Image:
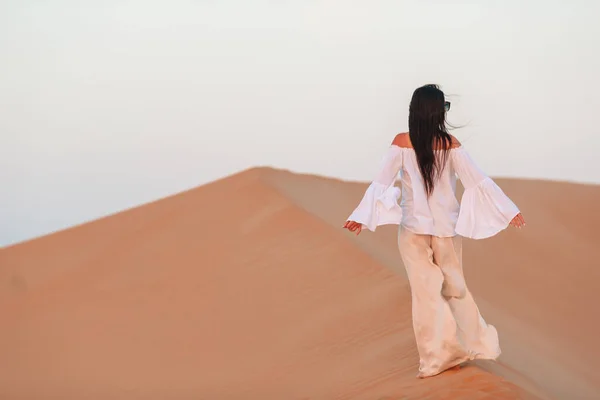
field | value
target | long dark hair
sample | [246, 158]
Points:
[428, 132]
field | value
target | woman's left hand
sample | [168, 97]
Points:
[353, 226]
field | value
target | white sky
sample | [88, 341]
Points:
[108, 104]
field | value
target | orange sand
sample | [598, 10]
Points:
[248, 288]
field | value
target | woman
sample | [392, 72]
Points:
[447, 324]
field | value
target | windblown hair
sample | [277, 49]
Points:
[428, 133]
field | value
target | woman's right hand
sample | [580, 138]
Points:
[353, 226]
[518, 221]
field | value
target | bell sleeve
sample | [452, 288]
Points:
[485, 209]
[379, 205]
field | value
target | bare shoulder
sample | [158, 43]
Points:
[402, 140]
[455, 142]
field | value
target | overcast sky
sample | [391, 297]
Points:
[109, 104]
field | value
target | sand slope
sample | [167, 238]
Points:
[247, 288]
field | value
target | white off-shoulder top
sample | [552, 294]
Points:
[483, 211]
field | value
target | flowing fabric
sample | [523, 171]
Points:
[448, 326]
[379, 205]
[483, 211]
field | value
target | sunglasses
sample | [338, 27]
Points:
[447, 105]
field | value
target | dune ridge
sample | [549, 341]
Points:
[247, 287]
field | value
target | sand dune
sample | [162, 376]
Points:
[248, 288]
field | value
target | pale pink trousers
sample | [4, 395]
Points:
[448, 327]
